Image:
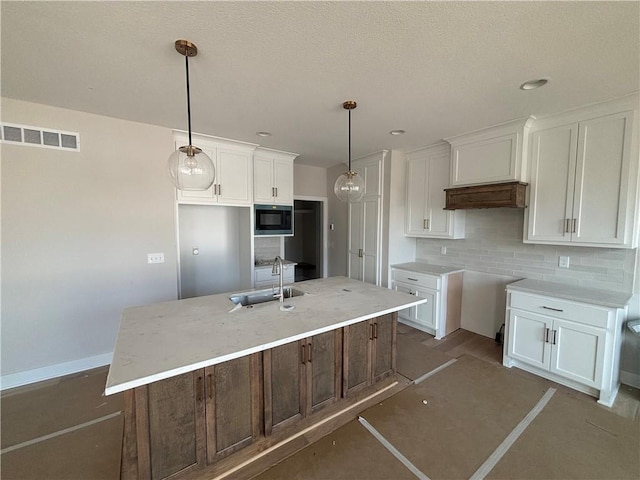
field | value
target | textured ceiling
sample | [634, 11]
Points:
[434, 69]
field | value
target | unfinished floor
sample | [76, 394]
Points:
[463, 416]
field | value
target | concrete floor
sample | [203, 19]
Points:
[446, 426]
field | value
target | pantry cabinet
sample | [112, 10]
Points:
[233, 182]
[427, 177]
[273, 177]
[576, 343]
[365, 222]
[584, 180]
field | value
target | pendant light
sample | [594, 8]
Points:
[190, 168]
[349, 186]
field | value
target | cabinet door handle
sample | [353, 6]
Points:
[546, 335]
[371, 333]
[573, 228]
[412, 279]
[375, 330]
[566, 225]
[276, 191]
[199, 389]
[302, 354]
[424, 223]
[553, 309]
[219, 189]
[555, 335]
[309, 358]
[210, 386]
[427, 224]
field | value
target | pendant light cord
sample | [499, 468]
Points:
[349, 139]
[186, 61]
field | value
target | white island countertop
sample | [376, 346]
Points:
[166, 339]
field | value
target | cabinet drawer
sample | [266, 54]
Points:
[558, 308]
[418, 279]
[264, 274]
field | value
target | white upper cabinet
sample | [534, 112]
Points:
[584, 178]
[233, 182]
[491, 155]
[273, 177]
[427, 177]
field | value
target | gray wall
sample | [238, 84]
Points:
[339, 217]
[76, 229]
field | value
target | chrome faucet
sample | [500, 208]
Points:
[277, 270]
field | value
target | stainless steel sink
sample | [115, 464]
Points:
[255, 297]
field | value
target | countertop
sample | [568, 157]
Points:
[592, 296]
[427, 268]
[269, 263]
[166, 339]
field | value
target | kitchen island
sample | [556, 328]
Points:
[208, 384]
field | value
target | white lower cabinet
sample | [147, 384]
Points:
[573, 343]
[264, 277]
[440, 315]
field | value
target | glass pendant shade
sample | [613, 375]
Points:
[349, 187]
[191, 169]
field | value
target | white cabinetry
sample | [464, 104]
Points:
[440, 315]
[365, 222]
[233, 182]
[427, 177]
[573, 343]
[273, 177]
[584, 180]
[264, 277]
[491, 155]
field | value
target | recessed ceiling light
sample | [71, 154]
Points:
[396, 132]
[531, 84]
[263, 134]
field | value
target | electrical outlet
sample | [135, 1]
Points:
[563, 262]
[443, 250]
[155, 257]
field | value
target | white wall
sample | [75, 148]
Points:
[77, 228]
[310, 181]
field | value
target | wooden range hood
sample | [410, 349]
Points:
[511, 194]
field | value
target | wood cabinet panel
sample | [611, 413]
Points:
[357, 356]
[232, 405]
[283, 384]
[384, 335]
[170, 425]
[324, 372]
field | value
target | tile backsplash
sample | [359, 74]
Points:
[266, 248]
[493, 244]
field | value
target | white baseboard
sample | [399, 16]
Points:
[53, 371]
[631, 379]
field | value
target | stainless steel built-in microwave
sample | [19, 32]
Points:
[273, 220]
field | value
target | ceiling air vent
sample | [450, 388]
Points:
[39, 137]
